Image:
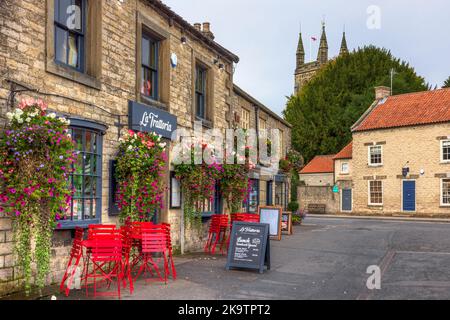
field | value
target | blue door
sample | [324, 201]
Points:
[409, 196]
[346, 199]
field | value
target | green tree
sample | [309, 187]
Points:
[325, 109]
[446, 83]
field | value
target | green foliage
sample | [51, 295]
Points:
[36, 157]
[293, 206]
[140, 169]
[446, 83]
[325, 109]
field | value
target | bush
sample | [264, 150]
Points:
[293, 206]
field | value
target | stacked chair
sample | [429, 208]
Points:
[76, 253]
[217, 233]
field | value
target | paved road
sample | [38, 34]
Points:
[326, 258]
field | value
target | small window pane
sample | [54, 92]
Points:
[446, 191]
[61, 45]
[376, 192]
[146, 52]
[77, 209]
[73, 59]
[375, 155]
[446, 150]
[153, 55]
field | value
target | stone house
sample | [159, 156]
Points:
[103, 70]
[319, 172]
[401, 161]
[267, 188]
[343, 177]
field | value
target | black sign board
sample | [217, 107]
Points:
[151, 119]
[249, 246]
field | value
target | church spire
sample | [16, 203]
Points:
[322, 57]
[300, 52]
[344, 48]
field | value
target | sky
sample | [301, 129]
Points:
[264, 34]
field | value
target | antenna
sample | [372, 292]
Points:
[393, 72]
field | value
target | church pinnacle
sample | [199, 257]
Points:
[322, 57]
[300, 52]
[344, 48]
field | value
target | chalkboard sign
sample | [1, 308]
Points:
[272, 216]
[249, 246]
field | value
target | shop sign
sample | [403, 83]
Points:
[151, 119]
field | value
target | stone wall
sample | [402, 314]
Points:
[317, 179]
[418, 148]
[318, 195]
[23, 59]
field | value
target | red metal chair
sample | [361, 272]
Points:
[76, 254]
[106, 258]
[217, 233]
[126, 253]
[169, 247]
[154, 241]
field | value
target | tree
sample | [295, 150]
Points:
[325, 109]
[446, 83]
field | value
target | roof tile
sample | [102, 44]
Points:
[320, 164]
[408, 110]
[346, 153]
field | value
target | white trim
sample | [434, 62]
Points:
[369, 158]
[415, 196]
[342, 201]
[348, 168]
[382, 194]
[441, 194]
[441, 159]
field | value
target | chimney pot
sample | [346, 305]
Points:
[207, 30]
[198, 26]
[382, 92]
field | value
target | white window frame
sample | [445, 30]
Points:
[348, 168]
[368, 194]
[442, 151]
[441, 196]
[370, 158]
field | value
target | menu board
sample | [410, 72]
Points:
[272, 216]
[286, 222]
[249, 246]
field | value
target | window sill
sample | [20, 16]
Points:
[153, 103]
[73, 75]
[375, 206]
[206, 123]
[68, 225]
[444, 162]
[375, 165]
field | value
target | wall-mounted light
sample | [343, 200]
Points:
[221, 66]
[183, 40]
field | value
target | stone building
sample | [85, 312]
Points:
[268, 188]
[398, 162]
[305, 71]
[120, 60]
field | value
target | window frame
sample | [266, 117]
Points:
[247, 121]
[441, 196]
[100, 130]
[171, 204]
[442, 151]
[370, 156]
[342, 168]
[200, 69]
[154, 70]
[370, 203]
[80, 36]
[246, 203]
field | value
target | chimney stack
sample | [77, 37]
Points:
[382, 92]
[207, 30]
[198, 26]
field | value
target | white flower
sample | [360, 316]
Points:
[130, 148]
[20, 121]
[52, 115]
[19, 112]
[68, 122]
[28, 119]
[10, 116]
[163, 145]
[69, 135]
[17, 116]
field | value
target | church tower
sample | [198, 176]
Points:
[344, 48]
[322, 57]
